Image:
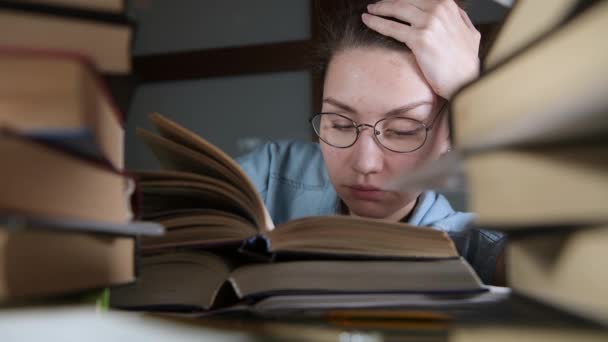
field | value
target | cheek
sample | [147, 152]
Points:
[435, 145]
[402, 162]
[335, 158]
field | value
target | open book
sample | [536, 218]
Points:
[220, 239]
[204, 199]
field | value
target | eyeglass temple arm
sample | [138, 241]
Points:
[443, 107]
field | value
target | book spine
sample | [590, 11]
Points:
[136, 199]
[97, 162]
[101, 82]
[580, 7]
[497, 33]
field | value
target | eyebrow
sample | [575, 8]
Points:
[392, 112]
[340, 105]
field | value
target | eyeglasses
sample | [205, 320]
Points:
[397, 134]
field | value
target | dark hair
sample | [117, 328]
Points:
[342, 28]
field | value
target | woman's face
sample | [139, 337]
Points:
[366, 85]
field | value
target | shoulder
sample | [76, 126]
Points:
[433, 209]
[292, 179]
[298, 162]
[480, 247]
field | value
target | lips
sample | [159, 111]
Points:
[366, 192]
[364, 187]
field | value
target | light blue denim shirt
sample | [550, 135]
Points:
[292, 179]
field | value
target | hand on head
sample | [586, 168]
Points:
[440, 34]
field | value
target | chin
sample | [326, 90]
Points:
[379, 209]
[371, 210]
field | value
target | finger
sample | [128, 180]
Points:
[466, 19]
[423, 5]
[390, 28]
[400, 10]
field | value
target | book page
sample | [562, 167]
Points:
[178, 157]
[198, 186]
[191, 140]
[355, 236]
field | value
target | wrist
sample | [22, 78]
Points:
[468, 74]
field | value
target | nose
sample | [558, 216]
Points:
[367, 153]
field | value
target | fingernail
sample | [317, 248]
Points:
[371, 7]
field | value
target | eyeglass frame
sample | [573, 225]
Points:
[376, 132]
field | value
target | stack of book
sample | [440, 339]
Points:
[532, 130]
[65, 205]
[221, 250]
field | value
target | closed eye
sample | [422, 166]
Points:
[342, 127]
[393, 132]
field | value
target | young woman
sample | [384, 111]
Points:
[388, 69]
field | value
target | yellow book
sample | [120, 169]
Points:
[502, 333]
[204, 198]
[111, 6]
[526, 21]
[566, 269]
[37, 263]
[104, 37]
[44, 180]
[521, 187]
[200, 280]
[60, 98]
[554, 90]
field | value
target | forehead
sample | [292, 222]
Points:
[375, 80]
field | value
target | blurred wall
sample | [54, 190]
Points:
[235, 113]
[167, 26]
